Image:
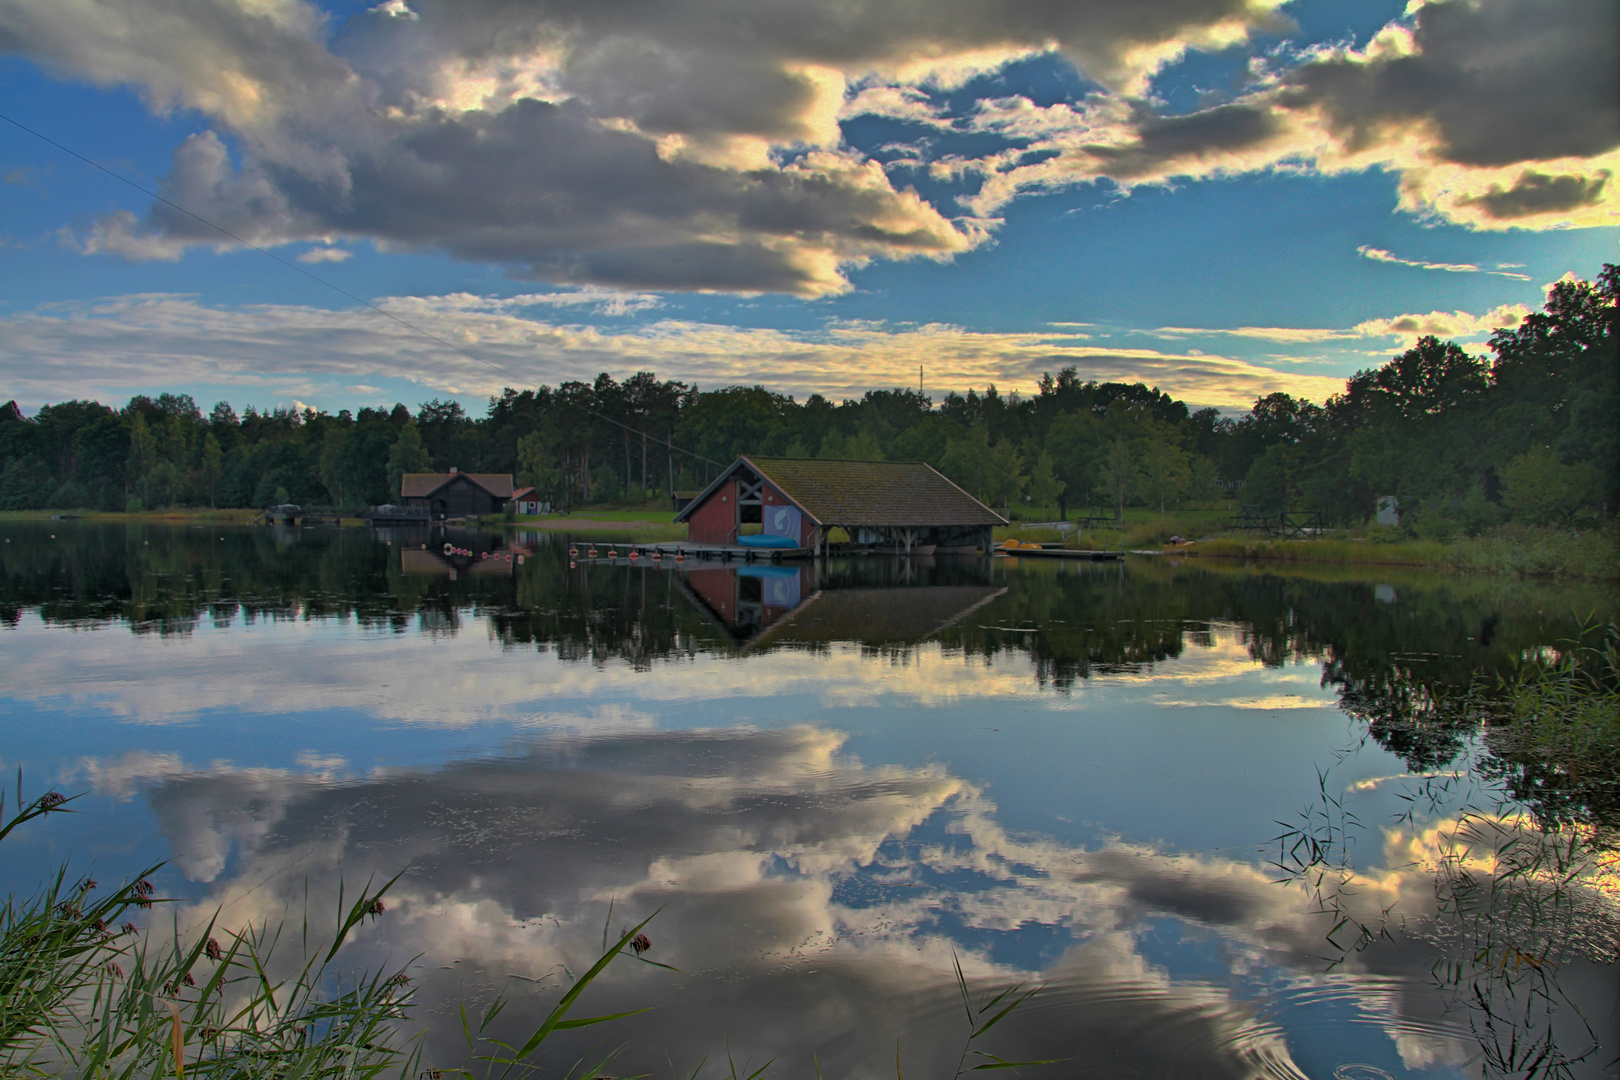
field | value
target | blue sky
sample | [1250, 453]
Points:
[1219, 197]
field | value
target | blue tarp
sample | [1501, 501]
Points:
[765, 541]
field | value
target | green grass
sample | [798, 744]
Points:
[1516, 550]
[653, 535]
[593, 513]
[1585, 554]
[1326, 550]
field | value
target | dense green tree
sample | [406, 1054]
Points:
[1118, 470]
[1465, 443]
[407, 455]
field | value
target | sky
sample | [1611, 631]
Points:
[280, 202]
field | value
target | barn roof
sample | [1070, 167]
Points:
[875, 493]
[419, 485]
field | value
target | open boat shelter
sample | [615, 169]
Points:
[901, 506]
[455, 494]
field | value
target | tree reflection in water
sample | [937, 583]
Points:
[805, 885]
[1523, 845]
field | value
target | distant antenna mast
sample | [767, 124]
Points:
[919, 379]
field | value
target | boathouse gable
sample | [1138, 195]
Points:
[712, 517]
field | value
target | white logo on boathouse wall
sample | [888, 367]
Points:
[782, 521]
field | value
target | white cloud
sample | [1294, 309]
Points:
[1406, 327]
[697, 146]
[124, 345]
[397, 8]
[1367, 251]
[1290, 334]
[1499, 114]
[1443, 324]
[325, 255]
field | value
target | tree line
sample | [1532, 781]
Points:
[1463, 441]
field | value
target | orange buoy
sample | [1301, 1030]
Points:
[635, 554]
[612, 554]
[571, 564]
[591, 553]
[679, 557]
[657, 555]
[573, 551]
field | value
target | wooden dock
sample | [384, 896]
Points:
[1060, 553]
[669, 551]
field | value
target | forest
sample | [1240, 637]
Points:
[1527, 434]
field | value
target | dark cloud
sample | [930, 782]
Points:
[695, 144]
[1537, 193]
[658, 145]
[850, 35]
[1182, 139]
[1501, 82]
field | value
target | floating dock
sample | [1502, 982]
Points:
[1060, 553]
[667, 550]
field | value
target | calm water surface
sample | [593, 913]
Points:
[830, 779]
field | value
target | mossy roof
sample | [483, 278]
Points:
[418, 485]
[892, 494]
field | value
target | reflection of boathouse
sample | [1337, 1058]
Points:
[455, 553]
[906, 506]
[767, 605]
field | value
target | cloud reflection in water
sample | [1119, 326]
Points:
[812, 902]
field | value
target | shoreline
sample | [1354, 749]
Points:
[1590, 554]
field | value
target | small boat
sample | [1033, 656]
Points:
[767, 542]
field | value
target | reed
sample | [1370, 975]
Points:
[1523, 873]
[82, 995]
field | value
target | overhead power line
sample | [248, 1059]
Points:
[222, 230]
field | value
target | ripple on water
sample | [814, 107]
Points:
[1177, 1029]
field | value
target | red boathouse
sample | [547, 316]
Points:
[904, 505]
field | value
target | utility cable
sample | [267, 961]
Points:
[340, 290]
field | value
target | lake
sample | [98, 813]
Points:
[828, 783]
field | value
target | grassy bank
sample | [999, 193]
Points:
[1516, 550]
[1587, 554]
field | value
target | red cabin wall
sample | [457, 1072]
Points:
[715, 521]
[718, 588]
